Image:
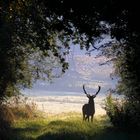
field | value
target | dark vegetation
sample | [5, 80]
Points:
[15, 109]
[35, 37]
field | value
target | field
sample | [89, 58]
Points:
[68, 126]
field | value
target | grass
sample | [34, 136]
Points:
[68, 127]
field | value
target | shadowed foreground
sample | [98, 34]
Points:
[68, 128]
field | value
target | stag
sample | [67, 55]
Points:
[89, 109]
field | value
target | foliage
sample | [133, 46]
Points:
[115, 111]
[6, 117]
[13, 109]
[21, 108]
[34, 31]
[49, 26]
[126, 60]
[122, 113]
[29, 48]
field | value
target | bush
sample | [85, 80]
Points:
[122, 113]
[13, 109]
[6, 118]
[21, 108]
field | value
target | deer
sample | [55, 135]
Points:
[89, 108]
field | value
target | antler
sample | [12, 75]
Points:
[85, 91]
[97, 91]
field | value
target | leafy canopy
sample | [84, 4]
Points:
[34, 31]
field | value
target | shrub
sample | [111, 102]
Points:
[21, 108]
[122, 113]
[6, 118]
[13, 109]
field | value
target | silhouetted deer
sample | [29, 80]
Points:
[89, 109]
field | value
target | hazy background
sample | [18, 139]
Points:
[65, 94]
[83, 69]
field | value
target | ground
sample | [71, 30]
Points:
[68, 126]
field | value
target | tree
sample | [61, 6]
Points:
[119, 19]
[29, 51]
[49, 25]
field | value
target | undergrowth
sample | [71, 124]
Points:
[13, 109]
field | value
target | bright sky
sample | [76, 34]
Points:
[83, 69]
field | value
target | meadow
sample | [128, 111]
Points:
[68, 126]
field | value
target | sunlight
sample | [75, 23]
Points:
[65, 94]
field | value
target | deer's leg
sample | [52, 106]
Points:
[87, 118]
[83, 117]
[92, 118]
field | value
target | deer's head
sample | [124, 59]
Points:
[91, 97]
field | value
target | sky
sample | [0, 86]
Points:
[83, 69]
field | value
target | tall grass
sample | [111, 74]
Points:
[27, 124]
[6, 117]
[19, 108]
[12, 110]
[69, 127]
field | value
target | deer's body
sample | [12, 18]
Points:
[89, 109]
